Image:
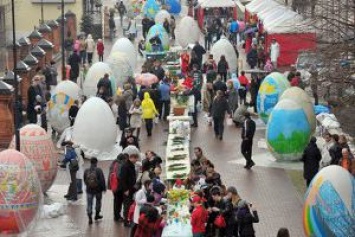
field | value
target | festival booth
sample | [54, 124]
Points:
[222, 9]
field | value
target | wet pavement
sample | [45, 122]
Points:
[267, 185]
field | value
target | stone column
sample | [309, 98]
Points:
[46, 32]
[34, 37]
[39, 53]
[32, 62]
[6, 115]
[47, 46]
[71, 23]
[23, 70]
[10, 56]
[55, 35]
[25, 45]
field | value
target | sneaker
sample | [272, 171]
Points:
[98, 217]
[67, 196]
[90, 220]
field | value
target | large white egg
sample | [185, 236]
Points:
[187, 32]
[124, 45]
[69, 88]
[224, 47]
[94, 74]
[95, 129]
[38, 146]
[58, 111]
[120, 67]
[296, 93]
[161, 16]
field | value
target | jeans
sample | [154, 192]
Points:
[112, 34]
[117, 204]
[101, 57]
[72, 191]
[149, 126]
[83, 56]
[246, 149]
[90, 58]
[79, 185]
[166, 105]
[90, 202]
[218, 125]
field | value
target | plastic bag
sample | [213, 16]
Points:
[229, 121]
[156, 120]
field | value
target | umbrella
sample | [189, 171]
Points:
[146, 79]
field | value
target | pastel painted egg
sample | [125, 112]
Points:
[270, 91]
[58, 110]
[173, 6]
[163, 35]
[224, 47]
[95, 129]
[120, 67]
[329, 207]
[124, 45]
[94, 74]
[187, 32]
[69, 88]
[161, 16]
[150, 8]
[20, 193]
[299, 95]
[38, 147]
[288, 131]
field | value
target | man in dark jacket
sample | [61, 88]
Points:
[219, 85]
[127, 181]
[335, 151]
[94, 180]
[73, 112]
[248, 132]
[199, 51]
[218, 111]
[74, 62]
[105, 83]
[158, 71]
[311, 158]
[145, 26]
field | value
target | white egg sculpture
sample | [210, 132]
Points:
[296, 93]
[95, 129]
[94, 74]
[224, 47]
[161, 16]
[124, 45]
[120, 67]
[187, 32]
[69, 88]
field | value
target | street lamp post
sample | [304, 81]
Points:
[16, 102]
[42, 14]
[63, 38]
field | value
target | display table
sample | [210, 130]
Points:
[177, 230]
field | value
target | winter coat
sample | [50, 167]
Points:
[335, 154]
[232, 99]
[245, 222]
[220, 107]
[219, 85]
[147, 228]
[148, 107]
[90, 44]
[101, 187]
[159, 72]
[222, 67]
[136, 116]
[100, 48]
[199, 219]
[128, 177]
[248, 129]
[199, 50]
[140, 199]
[74, 61]
[311, 157]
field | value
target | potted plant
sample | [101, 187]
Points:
[181, 104]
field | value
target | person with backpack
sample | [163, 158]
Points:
[113, 184]
[94, 180]
[71, 158]
[223, 68]
[121, 8]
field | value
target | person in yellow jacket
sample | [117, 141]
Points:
[149, 112]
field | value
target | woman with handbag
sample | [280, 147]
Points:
[216, 220]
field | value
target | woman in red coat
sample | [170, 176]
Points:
[100, 50]
[185, 59]
[148, 223]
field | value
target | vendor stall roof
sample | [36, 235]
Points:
[295, 25]
[271, 12]
[259, 5]
[286, 15]
[217, 3]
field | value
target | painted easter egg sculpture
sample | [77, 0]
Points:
[20, 193]
[329, 207]
[224, 47]
[94, 74]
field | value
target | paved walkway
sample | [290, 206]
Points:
[267, 185]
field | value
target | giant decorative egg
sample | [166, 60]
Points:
[163, 35]
[95, 129]
[150, 8]
[187, 32]
[135, 7]
[173, 6]
[224, 47]
[20, 193]
[329, 207]
[270, 91]
[124, 45]
[69, 88]
[121, 69]
[38, 146]
[94, 74]
[296, 93]
[161, 16]
[288, 130]
[58, 111]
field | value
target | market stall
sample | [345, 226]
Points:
[223, 9]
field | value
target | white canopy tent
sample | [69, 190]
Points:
[272, 12]
[294, 25]
[286, 15]
[216, 3]
[258, 5]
